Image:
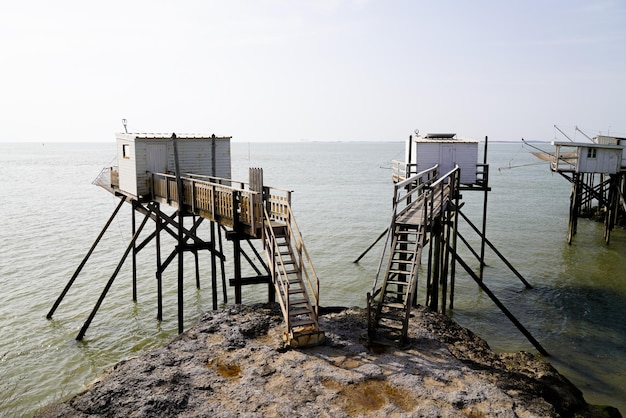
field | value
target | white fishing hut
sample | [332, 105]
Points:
[423, 152]
[613, 140]
[584, 157]
[140, 154]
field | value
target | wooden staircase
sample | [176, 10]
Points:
[392, 304]
[415, 203]
[295, 281]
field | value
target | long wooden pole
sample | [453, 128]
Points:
[371, 246]
[81, 334]
[498, 253]
[484, 234]
[181, 240]
[213, 266]
[84, 261]
[159, 272]
[499, 304]
[134, 256]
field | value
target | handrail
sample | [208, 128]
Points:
[280, 280]
[421, 180]
[206, 194]
[303, 262]
[401, 169]
[210, 197]
[312, 281]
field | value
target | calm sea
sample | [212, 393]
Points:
[51, 215]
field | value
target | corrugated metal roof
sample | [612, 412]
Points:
[162, 136]
[586, 145]
[447, 138]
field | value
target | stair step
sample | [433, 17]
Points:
[399, 251]
[394, 305]
[397, 282]
[401, 261]
[395, 292]
[299, 301]
[402, 241]
[392, 326]
[299, 311]
[390, 316]
[302, 323]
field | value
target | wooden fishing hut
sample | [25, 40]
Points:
[141, 155]
[444, 149]
[426, 211]
[191, 174]
[596, 170]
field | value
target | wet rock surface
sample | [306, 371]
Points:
[232, 363]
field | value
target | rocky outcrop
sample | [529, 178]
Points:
[232, 363]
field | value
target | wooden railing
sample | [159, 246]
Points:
[401, 170]
[218, 200]
[280, 271]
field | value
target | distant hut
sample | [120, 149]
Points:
[585, 157]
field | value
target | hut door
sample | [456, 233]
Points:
[448, 157]
[156, 158]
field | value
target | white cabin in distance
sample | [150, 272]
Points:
[445, 149]
[603, 156]
[140, 154]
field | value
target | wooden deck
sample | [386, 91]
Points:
[428, 206]
[228, 202]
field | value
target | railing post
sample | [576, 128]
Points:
[193, 196]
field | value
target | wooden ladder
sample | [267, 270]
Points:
[299, 309]
[393, 306]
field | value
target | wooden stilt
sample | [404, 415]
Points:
[222, 269]
[484, 229]
[213, 266]
[134, 253]
[500, 305]
[455, 224]
[81, 334]
[435, 236]
[498, 253]
[237, 268]
[573, 209]
[84, 261]
[159, 269]
[180, 250]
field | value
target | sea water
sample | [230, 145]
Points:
[341, 199]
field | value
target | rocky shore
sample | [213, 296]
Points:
[232, 363]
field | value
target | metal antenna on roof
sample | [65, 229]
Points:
[124, 123]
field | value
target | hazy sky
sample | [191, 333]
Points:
[287, 70]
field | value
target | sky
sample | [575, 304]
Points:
[326, 70]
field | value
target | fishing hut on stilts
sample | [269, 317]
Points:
[597, 172]
[423, 237]
[190, 174]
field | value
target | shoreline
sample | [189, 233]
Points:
[232, 362]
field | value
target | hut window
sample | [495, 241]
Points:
[125, 150]
[591, 153]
